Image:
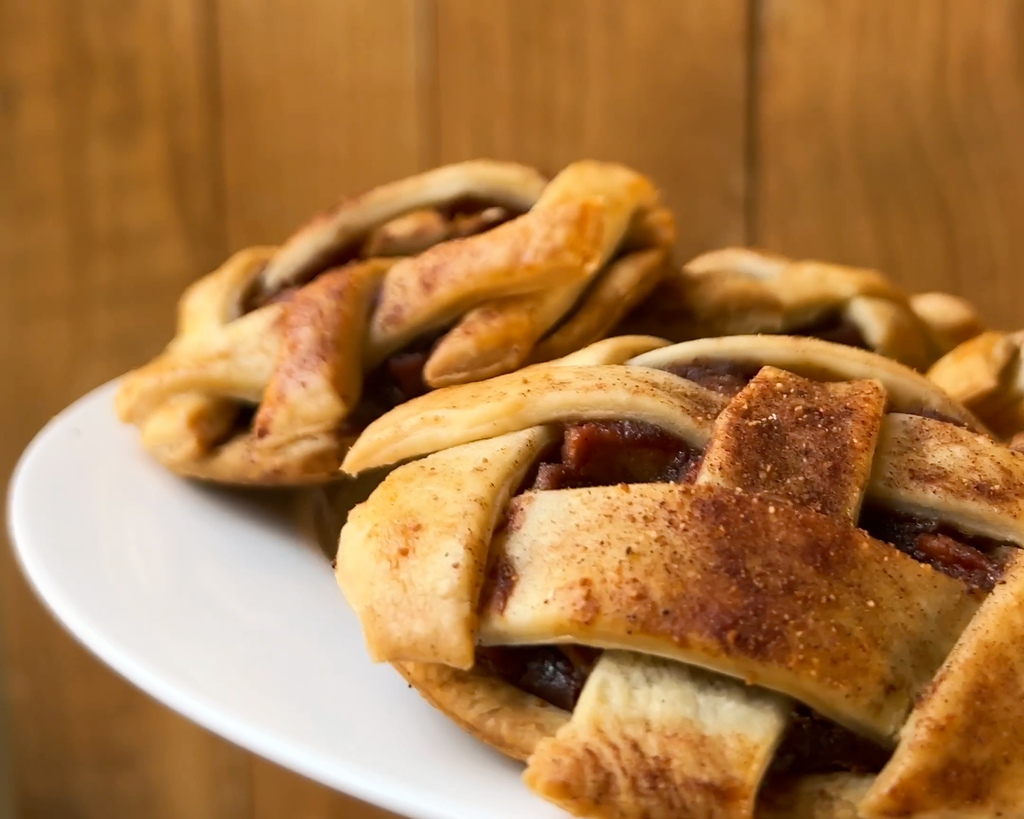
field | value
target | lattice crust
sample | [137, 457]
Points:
[951, 319]
[455, 416]
[644, 720]
[960, 753]
[737, 291]
[986, 374]
[781, 627]
[490, 709]
[452, 276]
[719, 600]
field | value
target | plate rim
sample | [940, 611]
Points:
[352, 780]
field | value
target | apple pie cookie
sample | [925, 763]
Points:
[734, 291]
[467, 271]
[986, 374]
[740, 577]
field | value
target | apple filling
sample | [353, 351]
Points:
[608, 453]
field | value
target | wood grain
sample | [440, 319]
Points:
[278, 793]
[110, 204]
[320, 99]
[6, 780]
[660, 85]
[888, 134]
[142, 140]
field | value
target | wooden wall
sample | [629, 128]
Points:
[142, 140]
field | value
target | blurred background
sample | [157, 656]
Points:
[141, 141]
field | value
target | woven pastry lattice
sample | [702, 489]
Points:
[793, 524]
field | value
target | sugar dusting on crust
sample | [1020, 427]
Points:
[802, 440]
[598, 773]
[958, 478]
[748, 605]
[747, 584]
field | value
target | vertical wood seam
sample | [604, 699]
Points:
[214, 17]
[219, 14]
[7, 802]
[218, 141]
[751, 122]
[427, 84]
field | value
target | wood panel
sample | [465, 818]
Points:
[888, 134]
[279, 793]
[6, 780]
[320, 99]
[110, 203]
[660, 85]
[141, 140]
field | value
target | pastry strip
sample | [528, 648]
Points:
[754, 588]
[498, 336]
[669, 740]
[535, 395]
[310, 248]
[821, 360]
[656, 739]
[959, 755]
[433, 531]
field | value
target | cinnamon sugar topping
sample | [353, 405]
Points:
[809, 442]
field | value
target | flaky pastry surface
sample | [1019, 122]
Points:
[718, 600]
[986, 374]
[451, 276]
[738, 291]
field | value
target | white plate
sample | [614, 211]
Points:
[215, 604]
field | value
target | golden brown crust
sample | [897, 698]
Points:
[655, 227]
[907, 390]
[317, 377]
[754, 569]
[185, 428]
[488, 245]
[218, 298]
[532, 251]
[235, 361]
[501, 715]
[431, 524]
[930, 468]
[504, 183]
[589, 568]
[741, 290]
[499, 335]
[535, 395]
[408, 235]
[587, 209]
[625, 284]
[627, 197]
[974, 370]
[654, 739]
[514, 723]
[292, 359]
[496, 337]
[890, 328]
[615, 350]
[951, 319]
[959, 755]
[809, 442]
[422, 229]
[986, 374]
[245, 460]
